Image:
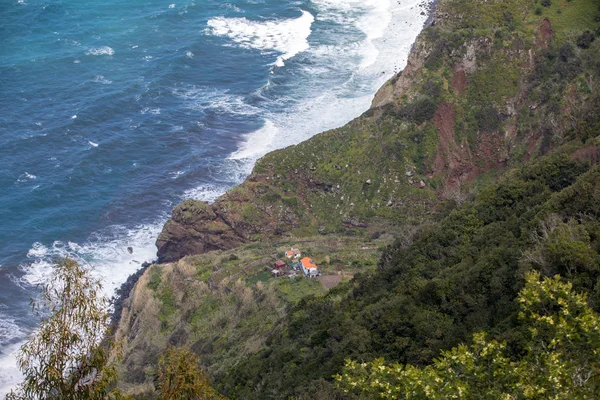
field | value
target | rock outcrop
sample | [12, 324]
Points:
[195, 228]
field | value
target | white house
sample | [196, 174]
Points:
[309, 267]
[293, 253]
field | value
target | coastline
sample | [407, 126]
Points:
[123, 290]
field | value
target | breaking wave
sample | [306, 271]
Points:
[288, 36]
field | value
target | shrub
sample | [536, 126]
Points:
[432, 89]
[179, 376]
[585, 39]
[560, 360]
[488, 119]
[418, 111]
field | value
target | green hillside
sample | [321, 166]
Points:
[460, 275]
[475, 165]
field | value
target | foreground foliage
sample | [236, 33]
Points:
[562, 358]
[67, 358]
[179, 377]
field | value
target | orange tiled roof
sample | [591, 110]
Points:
[308, 263]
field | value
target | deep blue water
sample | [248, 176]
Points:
[112, 111]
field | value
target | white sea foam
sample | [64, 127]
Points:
[10, 375]
[105, 251]
[176, 174]
[287, 36]
[257, 143]
[100, 51]
[101, 79]
[25, 177]
[389, 28]
[9, 330]
[149, 110]
[206, 192]
[189, 54]
[200, 98]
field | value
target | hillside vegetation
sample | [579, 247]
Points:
[477, 164]
[459, 276]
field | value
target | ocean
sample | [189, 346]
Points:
[114, 111]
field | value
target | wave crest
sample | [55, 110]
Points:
[107, 251]
[289, 36]
[100, 51]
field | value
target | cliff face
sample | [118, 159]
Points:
[195, 228]
[483, 89]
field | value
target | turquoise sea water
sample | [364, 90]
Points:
[112, 111]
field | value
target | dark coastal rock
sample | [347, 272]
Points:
[252, 211]
[194, 228]
[122, 293]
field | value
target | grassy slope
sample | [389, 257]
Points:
[223, 304]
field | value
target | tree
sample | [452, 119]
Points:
[562, 359]
[67, 357]
[179, 377]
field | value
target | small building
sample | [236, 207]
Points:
[293, 253]
[309, 267]
[279, 264]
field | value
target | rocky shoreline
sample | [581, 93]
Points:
[122, 294]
